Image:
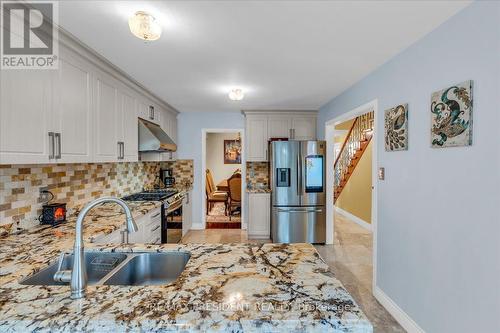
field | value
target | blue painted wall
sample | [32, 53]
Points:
[438, 215]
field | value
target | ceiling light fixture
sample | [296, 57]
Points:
[144, 26]
[236, 94]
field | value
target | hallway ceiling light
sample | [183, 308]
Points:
[236, 94]
[144, 26]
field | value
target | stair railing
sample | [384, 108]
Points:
[360, 129]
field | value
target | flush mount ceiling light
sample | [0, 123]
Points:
[236, 94]
[144, 26]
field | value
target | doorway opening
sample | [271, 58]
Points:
[352, 169]
[223, 180]
[352, 185]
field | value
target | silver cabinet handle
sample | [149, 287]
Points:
[156, 241]
[151, 112]
[57, 137]
[155, 228]
[156, 215]
[121, 150]
[52, 145]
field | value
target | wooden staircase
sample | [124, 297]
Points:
[354, 146]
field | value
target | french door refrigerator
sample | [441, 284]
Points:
[297, 176]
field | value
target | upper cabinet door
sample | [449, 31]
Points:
[256, 138]
[169, 125]
[149, 112]
[73, 111]
[25, 107]
[106, 126]
[129, 126]
[304, 127]
[279, 126]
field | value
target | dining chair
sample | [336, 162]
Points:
[214, 196]
[234, 184]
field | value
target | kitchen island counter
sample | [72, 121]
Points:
[224, 287]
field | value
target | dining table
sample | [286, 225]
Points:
[223, 186]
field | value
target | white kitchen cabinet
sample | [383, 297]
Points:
[187, 214]
[85, 111]
[256, 138]
[105, 124]
[169, 125]
[72, 117]
[148, 231]
[127, 126]
[259, 215]
[264, 125]
[304, 127]
[25, 114]
[279, 126]
[149, 112]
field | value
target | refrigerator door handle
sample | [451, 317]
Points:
[317, 210]
[298, 177]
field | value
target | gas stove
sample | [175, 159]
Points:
[171, 211]
[153, 195]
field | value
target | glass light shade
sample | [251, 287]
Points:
[144, 26]
[236, 94]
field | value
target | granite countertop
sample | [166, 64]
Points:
[258, 190]
[224, 287]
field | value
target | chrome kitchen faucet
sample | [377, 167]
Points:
[78, 275]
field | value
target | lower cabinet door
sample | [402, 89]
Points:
[259, 215]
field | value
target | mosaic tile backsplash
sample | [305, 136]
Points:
[257, 175]
[75, 185]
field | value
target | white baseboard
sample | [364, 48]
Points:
[197, 226]
[354, 218]
[401, 317]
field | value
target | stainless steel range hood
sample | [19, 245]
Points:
[153, 139]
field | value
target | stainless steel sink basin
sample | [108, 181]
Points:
[128, 269]
[97, 264]
[150, 269]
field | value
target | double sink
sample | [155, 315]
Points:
[124, 269]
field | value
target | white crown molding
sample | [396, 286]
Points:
[280, 112]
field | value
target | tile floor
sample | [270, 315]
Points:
[350, 258]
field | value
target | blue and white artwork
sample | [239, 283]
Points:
[451, 116]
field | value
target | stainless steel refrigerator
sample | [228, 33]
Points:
[297, 177]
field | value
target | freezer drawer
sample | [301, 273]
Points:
[298, 225]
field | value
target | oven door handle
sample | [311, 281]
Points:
[174, 206]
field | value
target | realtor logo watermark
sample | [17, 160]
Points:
[29, 35]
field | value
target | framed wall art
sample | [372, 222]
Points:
[451, 116]
[396, 128]
[232, 152]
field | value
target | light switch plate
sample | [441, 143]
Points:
[381, 173]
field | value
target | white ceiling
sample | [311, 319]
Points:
[285, 54]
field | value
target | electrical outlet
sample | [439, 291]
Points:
[44, 194]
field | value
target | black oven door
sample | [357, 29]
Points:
[172, 226]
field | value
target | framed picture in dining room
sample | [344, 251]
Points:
[232, 152]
